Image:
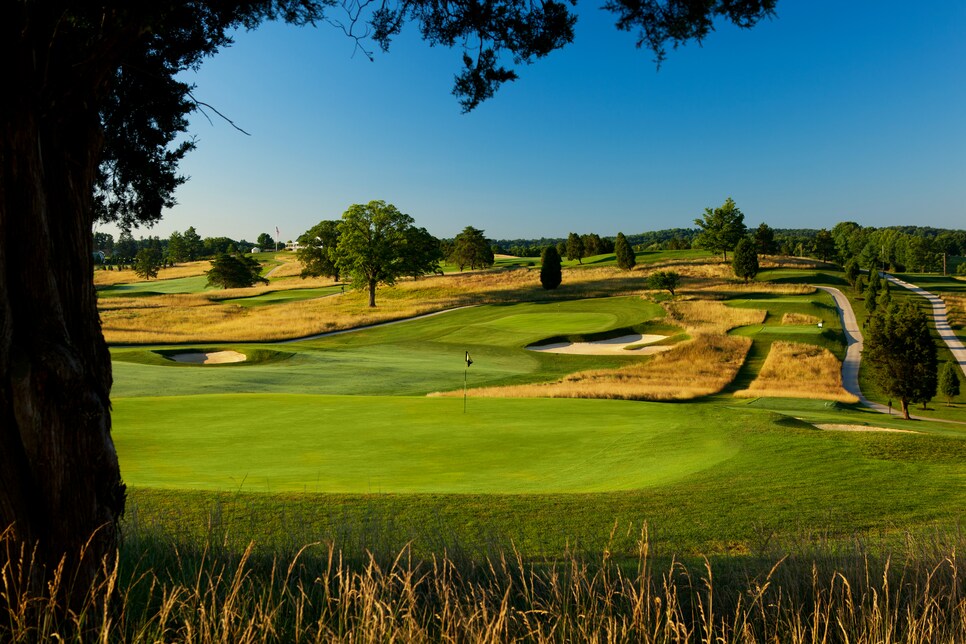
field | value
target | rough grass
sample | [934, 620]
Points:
[955, 309]
[201, 592]
[799, 319]
[795, 370]
[188, 269]
[704, 316]
[700, 367]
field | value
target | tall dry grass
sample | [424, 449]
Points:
[202, 593]
[699, 367]
[128, 276]
[708, 316]
[800, 319]
[955, 310]
[795, 370]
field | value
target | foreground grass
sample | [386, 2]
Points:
[164, 590]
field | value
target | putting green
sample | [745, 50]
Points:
[360, 444]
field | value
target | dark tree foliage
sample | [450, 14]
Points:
[575, 248]
[265, 242]
[147, 263]
[316, 250]
[551, 273]
[721, 228]
[663, 281]
[852, 271]
[91, 127]
[949, 381]
[471, 248]
[235, 270]
[765, 239]
[421, 254]
[901, 354]
[624, 253]
[872, 290]
[824, 245]
[745, 261]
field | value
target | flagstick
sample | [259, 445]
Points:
[465, 369]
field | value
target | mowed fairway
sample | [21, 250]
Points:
[360, 444]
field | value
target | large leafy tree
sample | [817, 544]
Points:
[234, 270]
[901, 354]
[470, 248]
[147, 262]
[373, 244]
[90, 128]
[421, 253]
[575, 248]
[721, 228]
[316, 250]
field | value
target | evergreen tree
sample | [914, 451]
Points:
[745, 260]
[177, 249]
[949, 382]
[625, 254]
[234, 271]
[765, 239]
[721, 228]
[550, 272]
[147, 263]
[901, 354]
[824, 245]
[872, 291]
[852, 271]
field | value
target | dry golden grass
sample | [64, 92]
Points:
[290, 267]
[188, 269]
[955, 310]
[204, 318]
[700, 367]
[704, 316]
[794, 370]
[799, 319]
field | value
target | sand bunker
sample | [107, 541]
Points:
[217, 357]
[861, 428]
[613, 346]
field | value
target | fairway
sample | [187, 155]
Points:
[194, 284]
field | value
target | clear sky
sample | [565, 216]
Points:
[834, 110]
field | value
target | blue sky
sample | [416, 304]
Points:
[831, 111]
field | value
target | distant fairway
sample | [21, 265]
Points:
[288, 295]
[195, 284]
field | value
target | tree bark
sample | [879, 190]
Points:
[60, 485]
[372, 293]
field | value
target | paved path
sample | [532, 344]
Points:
[853, 351]
[940, 318]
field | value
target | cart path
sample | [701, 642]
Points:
[940, 318]
[853, 351]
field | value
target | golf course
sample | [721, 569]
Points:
[386, 424]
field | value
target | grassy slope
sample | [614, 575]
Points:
[710, 476]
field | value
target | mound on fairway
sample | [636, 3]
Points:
[215, 357]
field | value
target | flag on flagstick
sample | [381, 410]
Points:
[468, 361]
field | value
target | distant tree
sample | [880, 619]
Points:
[421, 254]
[234, 271]
[765, 239]
[561, 247]
[859, 285]
[372, 244]
[575, 248]
[591, 244]
[605, 246]
[147, 263]
[265, 241]
[625, 255]
[193, 243]
[316, 250]
[721, 228]
[664, 281]
[949, 381]
[104, 242]
[551, 273]
[852, 271]
[212, 246]
[745, 261]
[824, 245]
[872, 290]
[177, 248]
[126, 247]
[470, 248]
[884, 299]
[901, 354]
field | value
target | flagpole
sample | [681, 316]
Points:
[464, 389]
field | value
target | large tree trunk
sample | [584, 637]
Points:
[60, 486]
[372, 292]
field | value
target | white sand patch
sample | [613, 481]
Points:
[861, 428]
[612, 346]
[217, 357]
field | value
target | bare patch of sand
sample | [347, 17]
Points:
[216, 357]
[612, 346]
[861, 428]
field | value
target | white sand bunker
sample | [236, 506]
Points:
[217, 357]
[861, 428]
[612, 346]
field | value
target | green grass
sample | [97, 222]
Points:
[287, 295]
[195, 284]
